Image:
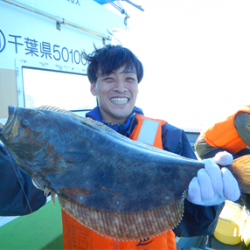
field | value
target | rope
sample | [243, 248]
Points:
[39, 232]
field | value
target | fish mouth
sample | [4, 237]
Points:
[12, 114]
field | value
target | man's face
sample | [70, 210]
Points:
[116, 94]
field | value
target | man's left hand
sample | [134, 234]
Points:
[213, 185]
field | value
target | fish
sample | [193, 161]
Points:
[120, 188]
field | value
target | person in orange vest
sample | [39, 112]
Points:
[231, 134]
[114, 73]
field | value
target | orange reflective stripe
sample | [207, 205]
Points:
[224, 134]
[140, 120]
[77, 236]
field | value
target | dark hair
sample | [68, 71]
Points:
[110, 58]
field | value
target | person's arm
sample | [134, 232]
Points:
[18, 195]
[175, 140]
[204, 150]
[197, 220]
[242, 125]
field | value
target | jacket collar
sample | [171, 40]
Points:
[120, 128]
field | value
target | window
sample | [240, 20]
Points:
[68, 91]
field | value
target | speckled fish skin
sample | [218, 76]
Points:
[119, 188]
[93, 167]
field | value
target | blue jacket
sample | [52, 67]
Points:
[16, 188]
[174, 139]
[197, 220]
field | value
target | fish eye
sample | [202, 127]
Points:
[24, 123]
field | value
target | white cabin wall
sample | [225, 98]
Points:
[28, 39]
[8, 91]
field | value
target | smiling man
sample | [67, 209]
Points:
[116, 94]
[114, 73]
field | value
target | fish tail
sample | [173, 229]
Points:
[240, 168]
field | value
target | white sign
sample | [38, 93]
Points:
[28, 35]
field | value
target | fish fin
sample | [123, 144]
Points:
[38, 183]
[55, 109]
[53, 196]
[127, 226]
[240, 168]
[87, 121]
[104, 129]
[46, 191]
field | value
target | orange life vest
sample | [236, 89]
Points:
[77, 236]
[224, 134]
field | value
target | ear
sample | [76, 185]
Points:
[93, 88]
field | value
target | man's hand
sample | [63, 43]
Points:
[213, 185]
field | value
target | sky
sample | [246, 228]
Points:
[196, 57]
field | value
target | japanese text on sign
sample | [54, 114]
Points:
[74, 2]
[41, 49]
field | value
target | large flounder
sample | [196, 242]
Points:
[117, 187]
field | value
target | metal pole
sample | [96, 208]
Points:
[60, 20]
[135, 5]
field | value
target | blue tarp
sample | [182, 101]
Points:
[104, 1]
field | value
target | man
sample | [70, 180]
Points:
[114, 73]
[231, 134]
